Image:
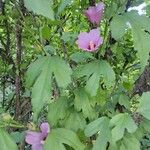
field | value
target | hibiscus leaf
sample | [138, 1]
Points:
[57, 110]
[100, 126]
[41, 91]
[144, 106]
[42, 79]
[119, 123]
[82, 102]
[34, 70]
[92, 84]
[75, 121]
[6, 142]
[138, 24]
[94, 71]
[62, 6]
[81, 56]
[129, 142]
[61, 70]
[58, 137]
[119, 22]
[107, 72]
[40, 7]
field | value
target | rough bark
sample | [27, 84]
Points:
[142, 84]
[18, 63]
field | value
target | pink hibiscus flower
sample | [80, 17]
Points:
[94, 13]
[36, 139]
[89, 41]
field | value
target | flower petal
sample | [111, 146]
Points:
[94, 35]
[45, 128]
[94, 13]
[99, 42]
[37, 147]
[100, 6]
[83, 40]
[33, 138]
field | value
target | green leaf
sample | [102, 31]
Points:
[100, 98]
[129, 142]
[119, 123]
[41, 91]
[17, 136]
[92, 84]
[40, 7]
[100, 126]
[34, 70]
[94, 71]
[118, 26]
[107, 72]
[62, 71]
[58, 137]
[40, 74]
[75, 121]
[57, 110]
[144, 106]
[82, 102]
[45, 31]
[138, 24]
[62, 6]
[95, 126]
[6, 142]
[124, 100]
[81, 56]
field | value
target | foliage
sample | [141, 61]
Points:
[92, 100]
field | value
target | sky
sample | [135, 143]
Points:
[139, 8]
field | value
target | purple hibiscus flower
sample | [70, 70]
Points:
[36, 139]
[89, 41]
[94, 13]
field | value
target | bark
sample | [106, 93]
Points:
[18, 63]
[142, 84]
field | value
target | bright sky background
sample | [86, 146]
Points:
[139, 8]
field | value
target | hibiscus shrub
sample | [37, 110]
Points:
[75, 74]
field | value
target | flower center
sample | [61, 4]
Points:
[91, 45]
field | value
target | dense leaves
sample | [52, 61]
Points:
[61, 136]
[6, 142]
[75, 75]
[41, 7]
[137, 23]
[119, 123]
[144, 108]
[42, 76]
[94, 71]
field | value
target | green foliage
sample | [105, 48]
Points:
[82, 102]
[57, 110]
[60, 136]
[144, 106]
[40, 76]
[129, 142]
[137, 23]
[101, 126]
[40, 7]
[75, 121]
[62, 6]
[119, 123]
[94, 71]
[120, 22]
[6, 142]
[96, 100]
